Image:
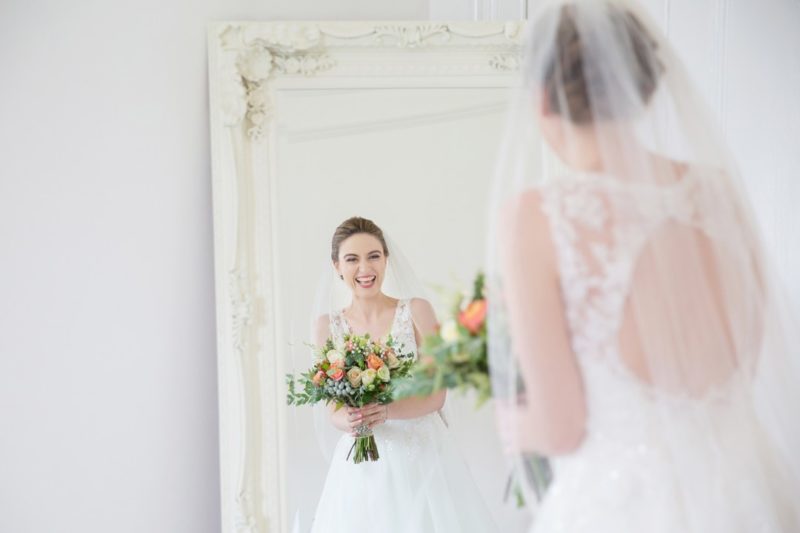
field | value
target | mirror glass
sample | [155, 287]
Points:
[417, 161]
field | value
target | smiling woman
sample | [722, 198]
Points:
[419, 482]
[359, 253]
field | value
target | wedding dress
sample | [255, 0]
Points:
[625, 476]
[420, 483]
[665, 297]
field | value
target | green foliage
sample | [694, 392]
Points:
[478, 286]
[455, 359]
[309, 394]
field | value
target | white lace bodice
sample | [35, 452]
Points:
[402, 328]
[692, 461]
[599, 228]
[597, 255]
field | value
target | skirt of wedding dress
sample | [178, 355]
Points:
[633, 478]
[420, 484]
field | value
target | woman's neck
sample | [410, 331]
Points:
[368, 309]
[602, 148]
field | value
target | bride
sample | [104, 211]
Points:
[420, 483]
[638, 335]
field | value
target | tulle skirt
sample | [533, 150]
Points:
[630, 481]
[420, 484]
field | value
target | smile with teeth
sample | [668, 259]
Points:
[366, 281]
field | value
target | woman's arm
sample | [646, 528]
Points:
[425, 324]
[552, 420]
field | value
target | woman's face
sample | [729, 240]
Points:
[362, 264]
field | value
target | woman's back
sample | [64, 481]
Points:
[651, 277]
[667, 359]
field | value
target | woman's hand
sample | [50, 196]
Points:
[370, 415]
[520, 433]
[508, 427]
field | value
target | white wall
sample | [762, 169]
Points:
[107, 359]
[755, 56]
[762, 120]
[108, 408]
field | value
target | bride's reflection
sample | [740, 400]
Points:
[370, 173]
[403, 472]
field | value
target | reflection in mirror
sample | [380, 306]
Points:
[312, 123]
[418, 162]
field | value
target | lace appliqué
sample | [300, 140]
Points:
[402, 329]
[593, 280]
[338, 328]
[597, 254]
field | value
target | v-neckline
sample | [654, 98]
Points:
[391, 326]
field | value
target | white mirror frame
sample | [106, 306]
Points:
[248, 62]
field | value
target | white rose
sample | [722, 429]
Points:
[334, 356]
[383, 373]
[449, 331]
[368, 376]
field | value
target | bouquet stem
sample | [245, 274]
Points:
[365, 447]
[536, 475]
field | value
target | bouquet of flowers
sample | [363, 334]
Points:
[457, 354]
[458, 359]
[358, 372]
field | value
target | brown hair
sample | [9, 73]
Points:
[569, 70]
[354, 226]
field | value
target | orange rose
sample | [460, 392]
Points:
[473, 316]
[318, 378]
[374, 362]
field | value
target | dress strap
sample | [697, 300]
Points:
[403, 330]
[338, 327]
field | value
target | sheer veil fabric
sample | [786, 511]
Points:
[679, 325]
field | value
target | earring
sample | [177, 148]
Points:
[341, 277]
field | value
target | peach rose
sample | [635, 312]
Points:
[391, 359]
[336, 372]
[473, 316]
[374, 362]
[354, 376]
[318, 378]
